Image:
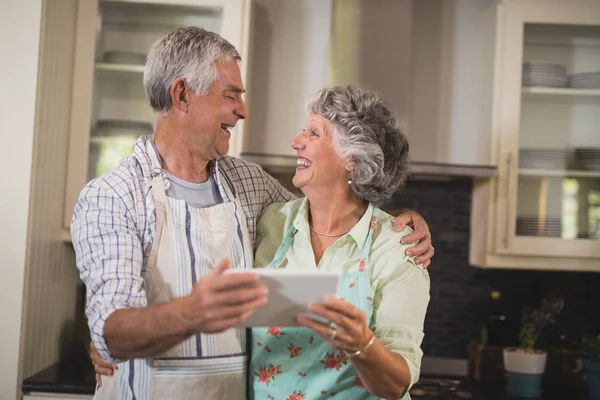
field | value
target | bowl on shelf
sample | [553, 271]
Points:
[543, 73]
[585, 80]
[542, 158]
[586, 158]
[124, 57]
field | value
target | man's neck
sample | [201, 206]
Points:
[176, 157]
[334, 211]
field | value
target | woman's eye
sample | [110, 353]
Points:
[314, 133]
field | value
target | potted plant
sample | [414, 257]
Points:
[525, 365]
[591, 366]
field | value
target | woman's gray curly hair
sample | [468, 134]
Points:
[365, 132]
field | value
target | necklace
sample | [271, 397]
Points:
[328, 234]
[337, 234]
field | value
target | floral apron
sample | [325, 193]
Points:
[294, 363]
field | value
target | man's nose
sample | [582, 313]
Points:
[242, 111]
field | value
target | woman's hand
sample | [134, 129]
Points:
[101, 366]
[351, 332]
[422, 251]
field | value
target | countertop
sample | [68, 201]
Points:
[495, 392]
[77, 377]
[74, 376]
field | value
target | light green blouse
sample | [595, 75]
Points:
[400, 287]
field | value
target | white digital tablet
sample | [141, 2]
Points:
[290, 293]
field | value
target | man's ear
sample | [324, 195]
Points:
[180, 95]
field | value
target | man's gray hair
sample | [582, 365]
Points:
[188, 53]
[365, 132]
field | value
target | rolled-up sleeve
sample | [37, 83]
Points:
[109, 256]
[400, 304]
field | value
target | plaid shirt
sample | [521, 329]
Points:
[114, 224]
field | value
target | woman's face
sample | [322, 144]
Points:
[318, 164]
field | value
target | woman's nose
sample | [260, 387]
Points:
[298, 143]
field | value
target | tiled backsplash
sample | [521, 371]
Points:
[459, 292]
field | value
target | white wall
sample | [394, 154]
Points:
[447, 76]
[19, 47]
[424, 57]
[51, 278]
[288, 61]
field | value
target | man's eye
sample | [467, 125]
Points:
[230, 97]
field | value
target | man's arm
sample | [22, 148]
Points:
[109, 258]
[276, 193]
[216, 303]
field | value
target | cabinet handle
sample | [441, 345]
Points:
[509, 162]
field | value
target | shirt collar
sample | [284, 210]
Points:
[146, 149]
[358, 233]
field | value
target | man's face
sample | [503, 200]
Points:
[212, 116]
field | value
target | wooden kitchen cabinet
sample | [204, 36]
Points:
[543, 210]
[109, 109]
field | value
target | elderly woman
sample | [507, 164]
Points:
[351, 158]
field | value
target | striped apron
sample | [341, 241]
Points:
[188, 243]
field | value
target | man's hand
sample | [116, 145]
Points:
[422, 251]
[101, 366]
[222, 301]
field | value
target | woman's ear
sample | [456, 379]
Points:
[350, 165]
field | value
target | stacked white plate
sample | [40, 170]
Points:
[540, 158]
[586, 158]
[542, 73]
[533, 226]
[586, 80]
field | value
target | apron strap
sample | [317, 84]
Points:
[367, 247]
[283, 249]
[160, 206]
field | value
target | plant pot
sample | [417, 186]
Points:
[524, 371]
[591, 370]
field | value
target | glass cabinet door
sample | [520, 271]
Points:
[559, 141]
[109, 109]
[120, 112]
[548, 129]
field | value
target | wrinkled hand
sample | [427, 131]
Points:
[101, 366]
[221, 301]
[422, 251]
[351, 332]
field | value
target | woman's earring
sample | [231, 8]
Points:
[349, 179]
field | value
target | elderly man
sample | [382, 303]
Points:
[151, 234]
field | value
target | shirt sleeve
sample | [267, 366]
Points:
[276, 193]
[109, 257]
[399, 306]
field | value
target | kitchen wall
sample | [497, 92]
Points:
[424, 57]
[18, 77]
[460, 292]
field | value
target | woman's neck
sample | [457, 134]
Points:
[334, 213]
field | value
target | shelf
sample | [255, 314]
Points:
[132, 68]
[287, 163]
[560, 91]
[559, 173]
